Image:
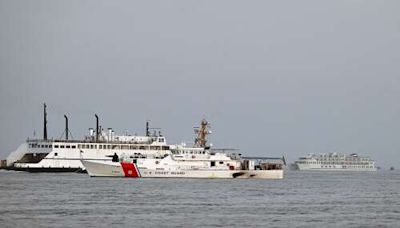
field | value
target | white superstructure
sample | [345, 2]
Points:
[335, 161]
[66, 155]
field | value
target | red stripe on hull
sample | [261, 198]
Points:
[129, 169]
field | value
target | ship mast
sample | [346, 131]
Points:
[97, 127]
[202, 132]
[66, 127]
[44, 122]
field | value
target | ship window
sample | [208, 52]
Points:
[56, 154]
[91, 146]
[73, 147]
[50, 146]
[221, 162]
[108, 146]
[55, 146]
[123, 147]
[68, 146]
[62, 146]
[212, 163]
[100, 146]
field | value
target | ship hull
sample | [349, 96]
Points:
[103, 169]
[48, 170]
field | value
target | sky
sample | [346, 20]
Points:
[272, 77]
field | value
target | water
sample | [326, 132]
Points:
[302, 199]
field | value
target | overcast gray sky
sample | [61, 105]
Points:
[273, 77]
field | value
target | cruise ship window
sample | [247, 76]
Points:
[91, 146]
[68, 146]
[56, 154]
[62, 146]
[50, 146]
[55, 146]
[73, 147]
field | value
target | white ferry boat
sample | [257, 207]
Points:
[65, 155]
[187, 162]
[335, 161]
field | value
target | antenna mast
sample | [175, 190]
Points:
[202, 132]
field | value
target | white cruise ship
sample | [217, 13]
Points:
[335, 161]
[64, 155]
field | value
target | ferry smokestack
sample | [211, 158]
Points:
[44, 122]
[66, 127]
[97, 127]
[147, 128]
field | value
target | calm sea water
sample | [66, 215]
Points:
[302, 199]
